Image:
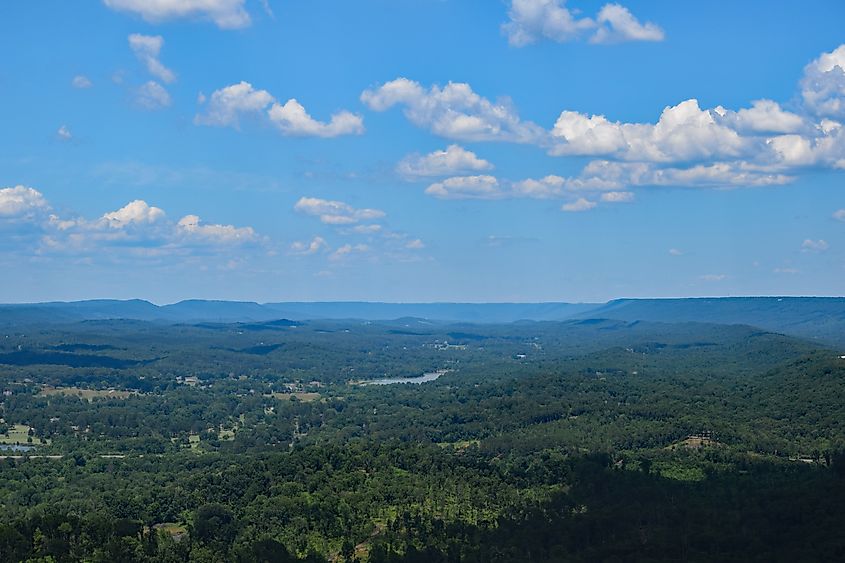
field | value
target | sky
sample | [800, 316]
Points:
[420, 150]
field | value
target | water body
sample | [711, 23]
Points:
[424, 378]
[16, 448]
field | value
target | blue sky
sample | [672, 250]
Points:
[421, 150]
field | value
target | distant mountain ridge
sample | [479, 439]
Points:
[820, 318]
[817, 318]
[245, 311]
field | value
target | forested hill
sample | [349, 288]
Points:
[818, 318]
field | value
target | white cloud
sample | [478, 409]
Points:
[786, 271]
[135, 212]
[147, 49]
[682, 133]
[531, 20]
[617, 197]
[21, 202]
[226, 14]
[581, 204]
[675, 252]
[81, 82]
[611, 180]
[313, 246]
[135, 230]
[839, 215]
[335, 212]
[713, 277]
[152, 95]
[347, 250]
[227, 105]
[617, 175]
[545, 188]
[64, 133]
[614, 177]
[453, 160]
[453, 111]
[766, 116]
[466, 187]
[292, 119]
[764, 144]
[366, 229]
[810, 245]
[823, 84]
[192, 226]
[618, 24]
[415, 244]
[758, 145]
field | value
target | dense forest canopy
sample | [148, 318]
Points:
[584, 439]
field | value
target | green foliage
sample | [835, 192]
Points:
[583, 441]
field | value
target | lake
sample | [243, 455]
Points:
[16, 448]
[424, 378]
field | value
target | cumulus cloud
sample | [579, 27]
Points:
[839, 215]
[347, 250]
[81, 82]
[490, 187]
[810, 245]
[226, 14]
[64, 133]
[580, 204]
[453, 111]
[354, 223]
[713, 277]
[696, 147]
[617, 24]
[366, 229]
[135, 212]
[152, 95]
[764, 144]
[683, 132]
[147, 48]
[453, 160]
[292, 119]
[305, 248]
[687, 145]
[605, 174]
[617, 197]
[675, 252]
[532, 20]
[766, 116]
[551, 186]
[335, 212]
[137, 229]
[227, 105]
[192, 227]
[21, 202]
[467, 187]
[608, 180]
[823, 84]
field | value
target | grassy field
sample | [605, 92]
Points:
[18, 434]
[172, 528]
[88, 394]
